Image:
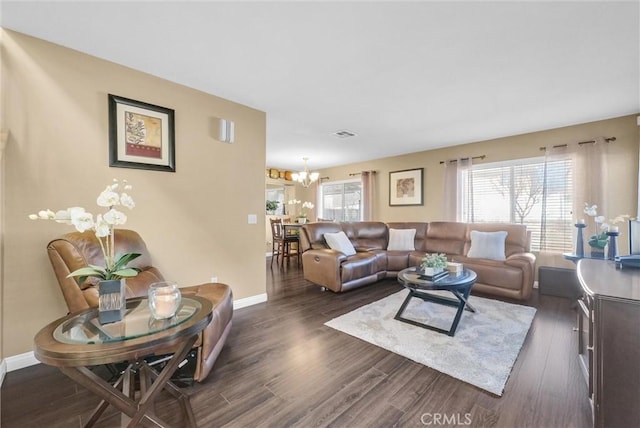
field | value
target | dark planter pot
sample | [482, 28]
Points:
[597, 253]
[111, 301]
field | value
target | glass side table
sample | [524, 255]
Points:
[77, 341]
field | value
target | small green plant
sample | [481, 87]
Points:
[434, 260]
[272, 206]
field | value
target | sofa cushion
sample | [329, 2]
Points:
[359, 265]
[487, 245]
[494, 272]
[338, 241]
[446, 237]
[370, 235]
[518, 237]
[397, 260]
[401, 240]
[312, 235]
[421, 232]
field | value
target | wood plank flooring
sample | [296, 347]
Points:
[282, 367]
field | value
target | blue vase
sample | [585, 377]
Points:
[597, 253]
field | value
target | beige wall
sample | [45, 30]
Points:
[194, 220]
[623, 168]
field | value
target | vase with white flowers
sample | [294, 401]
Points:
[302, 217]
[598, 241]
[111, 287]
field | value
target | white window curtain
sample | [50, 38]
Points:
[454, 171]
[591, 175]
[588, 166]
[368, 193]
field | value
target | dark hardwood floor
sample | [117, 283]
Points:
[282, 367]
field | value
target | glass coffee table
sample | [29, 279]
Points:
[78, 341]
[458, 285]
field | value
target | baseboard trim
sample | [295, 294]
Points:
[249, 301]
[3, 371]
[20, 361]
[17, 362]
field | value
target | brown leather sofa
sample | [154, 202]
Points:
[332, 269]
[75, 250]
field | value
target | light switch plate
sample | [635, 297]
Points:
[252, 219]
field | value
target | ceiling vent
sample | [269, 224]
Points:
[344, 134]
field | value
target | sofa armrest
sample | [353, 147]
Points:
[322, 267]
[526, 262]
[521, 259]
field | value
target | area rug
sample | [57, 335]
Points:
[482, 352]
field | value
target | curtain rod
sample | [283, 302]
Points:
[359, 173]
[456, 160]
[608, 140]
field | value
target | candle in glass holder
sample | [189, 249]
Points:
[613, 228]
[164, 299]
[581, 221]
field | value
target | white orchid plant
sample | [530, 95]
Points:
[103, 226]
[599, 239]
[306, 205]
[292, 205]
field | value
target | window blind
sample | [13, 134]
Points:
[341, 201]
[534, 192]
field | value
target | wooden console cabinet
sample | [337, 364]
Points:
[609, 341]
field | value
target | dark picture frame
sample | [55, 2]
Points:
[406, 187]
[141, 135]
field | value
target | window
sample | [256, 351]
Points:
[276, 194]
[341, 201]
[535, 192]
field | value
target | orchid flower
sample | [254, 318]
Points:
[103, 227]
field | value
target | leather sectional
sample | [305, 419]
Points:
[512, 277]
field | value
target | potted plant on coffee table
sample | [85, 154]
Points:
[434, 264]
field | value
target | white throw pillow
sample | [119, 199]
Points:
[339, 241]
[487, 245]
[401, 240]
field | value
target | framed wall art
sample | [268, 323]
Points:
[141, 135]
[405, 187]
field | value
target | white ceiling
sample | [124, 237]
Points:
[405, 76]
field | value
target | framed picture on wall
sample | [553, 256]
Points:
[141, 135]
[405, 187]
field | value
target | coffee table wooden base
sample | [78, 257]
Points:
[122, 395]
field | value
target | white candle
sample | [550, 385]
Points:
[613, 228]
[164, 299]
[165, 306]
[581, 221]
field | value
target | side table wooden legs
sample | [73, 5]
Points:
[121, 395]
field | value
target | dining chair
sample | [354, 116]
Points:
[281, 243]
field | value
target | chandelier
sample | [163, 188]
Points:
[305, 177]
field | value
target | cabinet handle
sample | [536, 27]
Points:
[590, 348]
[575, 329]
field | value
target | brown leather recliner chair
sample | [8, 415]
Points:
[75, 250]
